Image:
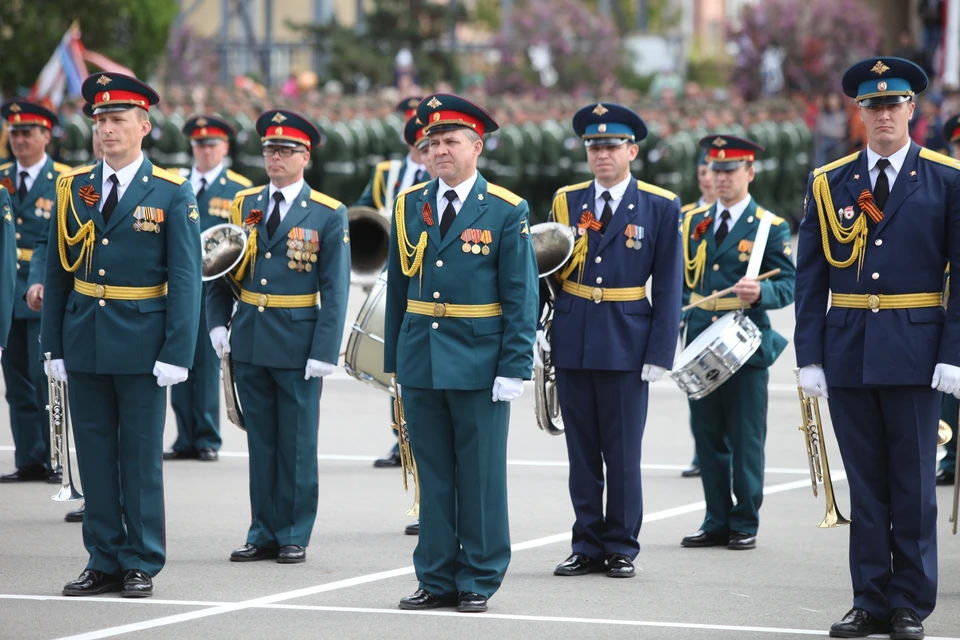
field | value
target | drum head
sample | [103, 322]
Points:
[705, 339]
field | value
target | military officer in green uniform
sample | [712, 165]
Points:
[196, 402]
[120, 317]
[460, 324]
[293, 283]
[31, 183]
[8, 267]
[728, 244]
[390, 177]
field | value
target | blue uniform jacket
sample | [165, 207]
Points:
[906, 252]
[621, 336]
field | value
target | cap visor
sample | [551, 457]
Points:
[606, 142]
[727, 166]
[878, 100]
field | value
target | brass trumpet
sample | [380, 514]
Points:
[407, 464]
[812, 429]
[60, 437]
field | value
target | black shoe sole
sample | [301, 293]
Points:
[906, 636]
[418, 607]
[579, 572]
[411, 532]
[93, 592]
[471, 608]
[703, 545]
[72, 519]
[252, 558]
[734, 547]
[136, 594]
[614, 574]
[856, 634]
[291, 560]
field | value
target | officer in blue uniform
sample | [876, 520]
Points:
[31, 185]
[727, 244]
[293, 282]
[459, 329]
[609, 339]
[877, 234]
[196, 402]
[8, 267]
[120, 316]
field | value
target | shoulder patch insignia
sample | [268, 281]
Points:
[346, 236]
[655, 190]
[163, 174]
[239, 179]
[524, 228]
[7, 214]
[193, 212]
[325, 200]
[504, 194]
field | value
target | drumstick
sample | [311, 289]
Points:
[720, 294]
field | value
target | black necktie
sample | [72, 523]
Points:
[274, 220]
[23, 186]
[111, 202]
[607, 211]
[881, 191]
[724, 227]
[449, 213]
[203, 187]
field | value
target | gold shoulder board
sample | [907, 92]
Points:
[163, 174]
[239, 179]
[504, 194]
[655, 190]
[325, 200]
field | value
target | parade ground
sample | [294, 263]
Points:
[359, 562]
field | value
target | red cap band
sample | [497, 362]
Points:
[105, 98]
[956, 135]
[438, 118]
[209, 132]
[730, 155]
[30, 119]
[287, 133]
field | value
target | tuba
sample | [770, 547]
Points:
[60, 437]
[553, 246]
[369, 244]
[812, 429]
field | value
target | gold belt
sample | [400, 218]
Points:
[719, 304]
[111, 292]
[886, 301]
[442, 310]
[279, 302]
[24, 255]
[608, 294]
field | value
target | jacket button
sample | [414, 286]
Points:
[268, 255]
[436, 294]
[878, 242]
[18, 266]
[104, 242]
[875, 276]
[598, 259]
[716, 267]
[599, 280]
[435, 325]
[19, 220]
[102, 272]
[103, 302]
[714, 318]
[263, 281]
[439, 263]
[260, 309]
[18, 235]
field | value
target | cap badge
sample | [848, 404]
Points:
[879, 68]
[279, 117]
[15, 108]
[104, 80]
[203, 131]
[279, 131]
[106, 96]
[719, 142]
[600, 110]
[601, 127]
[434, 103]
[202, 122]
[16, 118]
[882, 86]
[436, 117]
[721, 154]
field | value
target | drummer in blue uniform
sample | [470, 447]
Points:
[876, 238]
[196, 402]
[31, 183]
[609, 339]
[729, 243]
[950, 410]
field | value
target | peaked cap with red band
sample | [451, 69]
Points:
[408, 107]
[208, 129]
[21, 114]
[727, 153]
[445, 111]
[117, 92]
[951, 130]
[282, 128]
[413, 132]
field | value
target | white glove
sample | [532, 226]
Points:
[813, 381]
[56, 370]
[1, 353]
[220, 340]
[946, 378]
[506, 389]
[396, 385]
[169, 374]
[651, 373]
[317, 369]
[540, 343]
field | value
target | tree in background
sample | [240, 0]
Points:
[787, 46]
[132, 32]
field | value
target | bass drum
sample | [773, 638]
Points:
[716, 354]
[363, 359]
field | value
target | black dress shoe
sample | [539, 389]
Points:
[693, 471]
[741, 541]
[579, 564]
[180, 455]
[292, 554]
[76, 516]
[92, 582]
[413, 529]
[33, 473]
[945, 477]
[208, 455]
[470, 602]
[392, 460]
[905, 625]
[857, 624]
[136, 584]
[620, 566]
[426, 600]
[705, 539]
[252, 553]
[54, 477]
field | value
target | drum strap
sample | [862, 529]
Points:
[759, 242]
[392, 174]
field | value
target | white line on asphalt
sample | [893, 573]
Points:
[385, 575]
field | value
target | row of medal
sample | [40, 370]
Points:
[474, 238]
[219, 207]
[745, 247]
[634, 235]
[44, 208]
[148, 219]
[302, 247]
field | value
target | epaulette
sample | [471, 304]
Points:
[688, 207]
[696, 210]
[59, 167]
[939, 158]
[504, 194]
[239, 179]
[574, 187]
[77, 171]
[655, 190]
[250, 191]
[5, 165]
[415, 187]
[325, 200]
[777, 220]
[163, 174]
[836, 164]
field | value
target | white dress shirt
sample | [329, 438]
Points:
[410, 174]
[32, 172]
[616, 195]
[290, 193]
[210, 176]
[462, 189]
[896, 162]
[736, 210]
[124, 177]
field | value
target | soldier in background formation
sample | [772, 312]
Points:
[950, 410]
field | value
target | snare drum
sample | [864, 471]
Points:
[364, 356]
[716, 354]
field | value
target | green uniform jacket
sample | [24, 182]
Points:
[111, 336]
[374, 195]
[723, 267]
[278, 337]
[462, 353]
[214, 203]
[8, 266]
